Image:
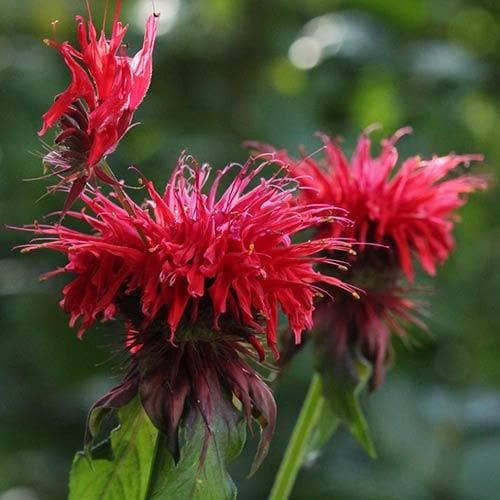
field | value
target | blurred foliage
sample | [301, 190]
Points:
[276, 71]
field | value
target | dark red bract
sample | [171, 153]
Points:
[200, 376]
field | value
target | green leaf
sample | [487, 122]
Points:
[343, 382]
[126, 476]
[201, 473]
[139, 466]
[326, 425]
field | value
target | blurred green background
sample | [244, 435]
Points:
[276, 71]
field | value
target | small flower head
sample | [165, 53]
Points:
[96, 109]
[397, 213]
[199, 278]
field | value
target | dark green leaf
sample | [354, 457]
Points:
[343, 382]
[324, 429]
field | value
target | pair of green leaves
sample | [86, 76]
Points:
[139, 466]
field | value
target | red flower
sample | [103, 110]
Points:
[411, 208]
[186, 248]
[96, 110]
[197, 278]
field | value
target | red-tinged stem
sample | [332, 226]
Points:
[122, 197]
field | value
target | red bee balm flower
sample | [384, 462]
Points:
[410, 209]
[191, 269]
[96, 110]
[185, 246]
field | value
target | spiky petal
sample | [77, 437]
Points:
[234, 249]
[97, 108]
[199, 279]
[410, 209]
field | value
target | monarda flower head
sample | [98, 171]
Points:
[411, 209]
[198, 278]
[96, 109]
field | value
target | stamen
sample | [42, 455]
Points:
[105, 15]
[251, 248]
[355, 295]
[54, 31]
[89, 13]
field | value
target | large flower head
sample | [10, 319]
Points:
[408, 209]
[186, 247]
[195, 275]
[96, 109]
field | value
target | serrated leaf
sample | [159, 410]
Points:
[139, 466]
[126, 476]
[342, 383]
[201, 473]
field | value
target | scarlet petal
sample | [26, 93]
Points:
[106, 88]
[411, 208]
[142, 64]
[80, 86]
[185, 252]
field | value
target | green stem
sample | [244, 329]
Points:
[299, 442]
